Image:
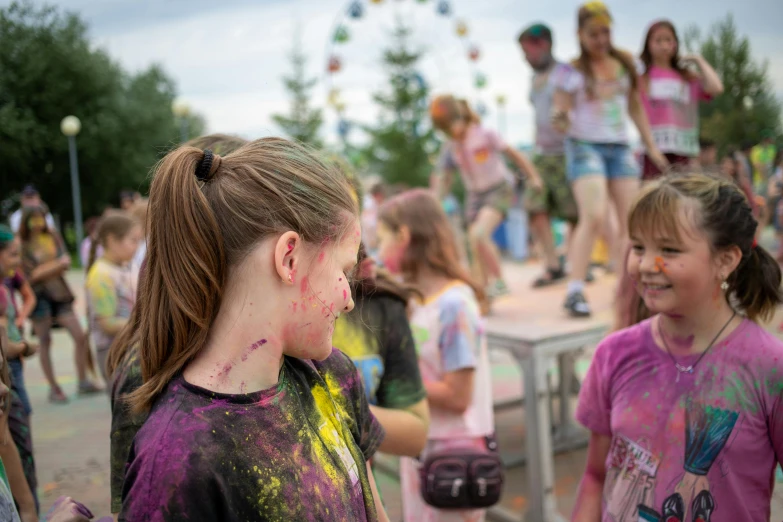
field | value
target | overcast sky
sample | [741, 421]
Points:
[227, 56]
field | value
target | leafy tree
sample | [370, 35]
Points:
[401, 143]
[49, 70]
[748, 106]
[302, 123]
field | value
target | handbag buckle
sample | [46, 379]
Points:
[455, 487]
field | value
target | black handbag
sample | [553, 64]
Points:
[463, 478]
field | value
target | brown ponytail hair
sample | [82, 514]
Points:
[586, 13]
[116, 223]
[726, 218]
[219, 144]
[432, 243]
[200, 228]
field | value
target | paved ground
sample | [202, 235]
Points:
[72, 442]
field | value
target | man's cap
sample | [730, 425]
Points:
[537, 31]
[29, 190]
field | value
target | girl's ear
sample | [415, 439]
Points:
[288, 253]
[728, 260]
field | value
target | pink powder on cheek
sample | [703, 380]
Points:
[393, 259]
[303, 285]
[345, 295]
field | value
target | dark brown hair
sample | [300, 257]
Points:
[198, 229]
[674, 63]
[726, 218]
[432, 243]
[117, 224]
[586, 13]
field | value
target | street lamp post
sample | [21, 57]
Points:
[70, 126]
[181, 110]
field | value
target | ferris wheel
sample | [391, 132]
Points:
[349, 22]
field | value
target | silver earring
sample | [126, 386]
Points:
[724, 286]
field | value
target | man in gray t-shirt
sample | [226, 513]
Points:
[555, 198]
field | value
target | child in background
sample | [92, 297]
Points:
[377, 337]
[416, 243]
[124, 366]
[685, 408]
[478, 154]
[17, 348]
[253, 414]
[671, 88]
[111, 282]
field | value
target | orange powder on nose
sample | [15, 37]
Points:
[659, 264]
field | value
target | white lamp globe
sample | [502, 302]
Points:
[70, 126]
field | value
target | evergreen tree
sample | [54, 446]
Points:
[402, 141]
[303, 123]
[748, 106]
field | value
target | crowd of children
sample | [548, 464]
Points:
[262, 335]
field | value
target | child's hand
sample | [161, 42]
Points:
[20, 322]
[560, 120]
[32, 349]
[65, 260]
[66, 509]
[536, 183]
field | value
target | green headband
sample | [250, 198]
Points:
[6, 235]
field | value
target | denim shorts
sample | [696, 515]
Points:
[17, 383]
[613, 160]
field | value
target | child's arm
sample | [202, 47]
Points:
[590, 492]
[28, 303]
[639, 117]
[524, 164]
[441, 182]
[20, 489]
[710, 82]
[406, 429]
[453, 393]
[382, 516]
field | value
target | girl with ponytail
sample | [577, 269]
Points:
[685, 408]
[252, 414]
[111, 282]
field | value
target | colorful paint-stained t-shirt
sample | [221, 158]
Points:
[124, 422]
[449, 337]
[602, 117]
[672, 107]
[377, 337]
[296, 451]
[687, 446]
[478, 158]
[111, 294]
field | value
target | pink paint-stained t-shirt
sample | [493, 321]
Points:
[687, 445]
[672, 106]
[479, 159]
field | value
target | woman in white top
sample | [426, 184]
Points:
[594, 99]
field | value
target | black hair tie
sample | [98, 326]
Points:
[204, 166]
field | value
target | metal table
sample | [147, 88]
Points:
[535, 347]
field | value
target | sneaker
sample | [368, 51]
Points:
[56, 396]
[89, 388]
[577, 306]
[551, 276]
[497, 289]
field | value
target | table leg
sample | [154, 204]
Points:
[540, 457]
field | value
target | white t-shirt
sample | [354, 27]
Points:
[603, 118]
[449, 334]
[15, 221]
